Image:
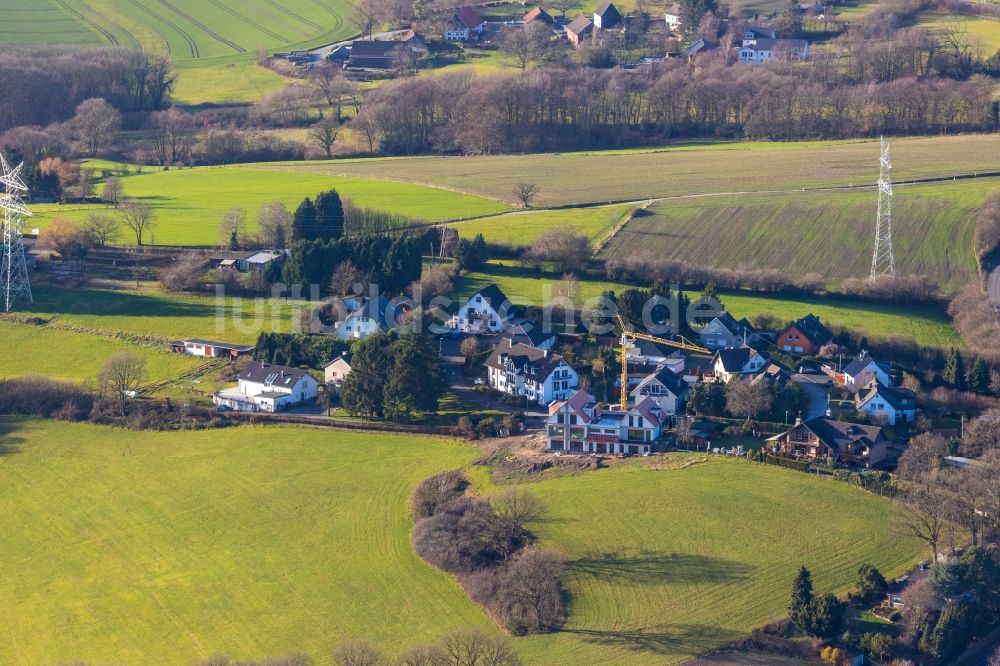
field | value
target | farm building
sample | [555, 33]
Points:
[465, 25]
[579, 30]
[211, 349]
[579, 425]
[264, 387]
[822, 437]
[606, 16]
[537, 374]
[540, 15]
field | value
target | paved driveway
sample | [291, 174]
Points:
[993, 286]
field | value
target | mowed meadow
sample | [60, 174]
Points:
[189, 203]
[172, 547]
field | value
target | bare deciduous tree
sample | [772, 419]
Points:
[472, 647]
[138, 217]
[275, 223]
[174, 135]
[523, 46]
[344, 279]
[526, 193]
[746, 398]
[120, 378]
[96, 121]
[324, 133]
[232, 229]
[113, 191]
[358, 653]
[517, 505]
[103, 229]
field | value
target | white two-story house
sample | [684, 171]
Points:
[736, 362]
[726, 331]
[371, 316]
[765, 50]
[264, 387]
[538, 374]
[486, 311]
[667, 389]
[579, 425]
[885, 404]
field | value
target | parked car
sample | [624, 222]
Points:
[479, 381]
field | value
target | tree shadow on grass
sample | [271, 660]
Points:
[9, 442]
[658, 567]
[677, 639]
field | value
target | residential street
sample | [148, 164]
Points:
[817, 386]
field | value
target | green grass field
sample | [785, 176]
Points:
[250, 542]
[982, 31]
[224, 84]
[72, 356]
[190, 203]
[152, 312]
[680, 170]
[172, 547]
[692, 559]
[197, 35]
[523, 228]
[925, 325]
[827, 232]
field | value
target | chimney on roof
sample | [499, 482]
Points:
[545, 353]
[798, 419]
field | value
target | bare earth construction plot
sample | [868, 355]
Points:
[173, 547]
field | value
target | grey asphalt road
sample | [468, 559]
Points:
[993, 286]
[817, 387]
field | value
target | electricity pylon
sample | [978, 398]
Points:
[13, 265]
[883, 260]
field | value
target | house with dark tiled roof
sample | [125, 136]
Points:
[861, 371]
[526, 332]
[606, 16]
[667, 389]
[733, 362]
[486, 311]
[537, 374]
[265, 387]
[806, 336]
[727, 331]
[197, 347]
[373, 315]
[374, 54]
[465, 25]
[579, 30]
[579, 425]
[822, 437]
[886, 404]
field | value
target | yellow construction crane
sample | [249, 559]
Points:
[629, 336]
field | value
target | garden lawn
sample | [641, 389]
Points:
[189, 203]
[72, 356]
[689, 559]
[684, 169]
[831, 233]
[927, 325]
[169, 548]
[151, 312]
[524, 228]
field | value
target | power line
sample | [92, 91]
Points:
[883, 260]
[13, 265]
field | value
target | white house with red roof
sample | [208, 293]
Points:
[466, 24]
[579, 425]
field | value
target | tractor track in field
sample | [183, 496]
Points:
[241, 17]
[192, 45]
[107, 35]
[289, 12]
[208, 31]
[337, 18]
